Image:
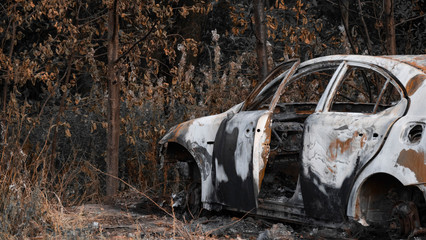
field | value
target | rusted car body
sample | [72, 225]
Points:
[330, 140]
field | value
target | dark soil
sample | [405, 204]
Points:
[134, 217]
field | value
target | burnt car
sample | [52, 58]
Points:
[332, 140]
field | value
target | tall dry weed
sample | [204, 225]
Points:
[33, 188]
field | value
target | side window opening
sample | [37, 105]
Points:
[390, 97]
[262, 95]
[308, 88]
[364, 90]
[297, 101]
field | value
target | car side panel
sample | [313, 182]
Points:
[234, 181]
[336, 147]
[400, 157]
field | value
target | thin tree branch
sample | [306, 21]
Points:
[346, 25]
[92, 20]
[353, 11]
[135, 44]
[57, 84]
[61, 110]
[12, 45]
[367, 36]
[410, 19]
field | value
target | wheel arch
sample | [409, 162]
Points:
[367, 202]
[174, 151]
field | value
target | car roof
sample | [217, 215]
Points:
[418, 61]
[403, 67]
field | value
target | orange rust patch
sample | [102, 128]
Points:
[415, 161]
[265, 150]
[179, 128]
[176, 132]
[363, 139]
[305, 112]
[357, 209]
[339, 145]
[415, 64]
[415, 83]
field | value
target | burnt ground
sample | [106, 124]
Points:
[131, 216]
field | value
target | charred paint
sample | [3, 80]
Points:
[231, 189]
[415, 161]
[336, 147]
[235, 183]
[415, 84]
[327, 202]
[203, 157]
[332, 156]
[321, 203]
[179, 131]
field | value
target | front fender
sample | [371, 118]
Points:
[197, 136]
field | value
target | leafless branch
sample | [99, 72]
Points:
[410, 19]
[135, 44]
[367, 35]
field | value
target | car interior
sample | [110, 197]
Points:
[361, 91]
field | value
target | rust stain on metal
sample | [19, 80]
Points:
[176, 133]
[415, 64]
[305, 111]
[358, 208]
[363, 139]
[414, 61]
[178, 129]
[337, 145]
[265, 151]
[415, 83]
[415, 161]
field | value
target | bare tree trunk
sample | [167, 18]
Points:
[113, 134]
[390, 27]
[260, 32]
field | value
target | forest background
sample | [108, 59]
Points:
[88, 87]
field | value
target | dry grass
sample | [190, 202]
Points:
[34, 191]
[38, 186]
[34, 210]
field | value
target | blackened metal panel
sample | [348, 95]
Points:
[233, 157]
